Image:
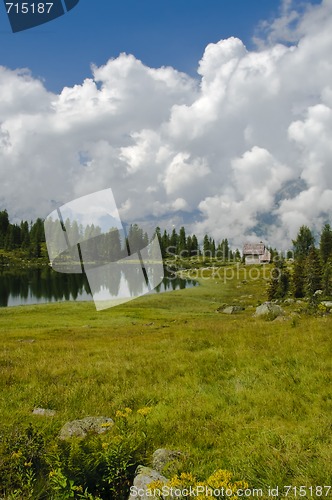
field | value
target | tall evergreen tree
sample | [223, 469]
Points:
[206, 246]
[325, 244]
[174, 240]
[299, 278]
[182, 241]
[327, 278]
[303, 242]
[279, 284]
[37, 237]
[25, 235]
[4, 223]
[165, 243]
[313, 272]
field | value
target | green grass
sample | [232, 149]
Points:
[230, 391]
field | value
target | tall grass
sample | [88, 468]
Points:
[231, 391]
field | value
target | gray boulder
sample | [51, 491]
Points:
[140, 488]
[80, 428]
[269, 309]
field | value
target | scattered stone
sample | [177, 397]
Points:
[327, 304]
[280, 318]
[269, 309]
[232, 309]
[144, 476]
[27, 341]
[289, 301]
[45, 412]
[221, 307]
[80, 428]
[163, 458]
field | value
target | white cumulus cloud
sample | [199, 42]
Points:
[244, 149]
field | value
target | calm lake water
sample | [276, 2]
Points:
[37, 286]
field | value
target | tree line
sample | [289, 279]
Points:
[311, 273]
[311, 270]
[29, 237]
[25, 236]
[183, 245]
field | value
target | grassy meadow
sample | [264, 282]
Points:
[231, 392]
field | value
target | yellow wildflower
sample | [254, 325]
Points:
[107, 424]
[144, 411]
[123, 414]
[187, 478]
[155, 485]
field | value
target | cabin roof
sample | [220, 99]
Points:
[254, 249]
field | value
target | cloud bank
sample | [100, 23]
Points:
[242, 151]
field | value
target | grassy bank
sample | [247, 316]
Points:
[231, 391]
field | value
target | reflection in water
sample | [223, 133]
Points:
[45, 285]
[41, 285]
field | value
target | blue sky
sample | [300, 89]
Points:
[159, 32]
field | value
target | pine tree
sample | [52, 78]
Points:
[174, 240]
[303, 243]
[206, 245]
[4, 223]
[194, 246]
[313, 273]
[327, 278]
[165, 243]
[325, 245]
[280, 280]
[299, 278]
[182, 242]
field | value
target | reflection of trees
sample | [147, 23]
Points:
[133, 276]
[4, 293]
[49, 285]
[108, 277]
[41, 284]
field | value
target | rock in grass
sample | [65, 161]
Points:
[232, 309]
[327, 304]
[80, 428]
[164, 458]
[140, 488]
[269, 309]
[45, 412]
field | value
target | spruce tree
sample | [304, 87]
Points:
[303, 242]
[325, 245]
[299, 278]
[313, 273]
[327, 278]
[280, 280]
